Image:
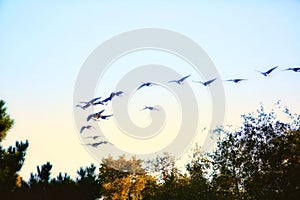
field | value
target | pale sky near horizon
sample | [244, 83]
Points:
[43, 46]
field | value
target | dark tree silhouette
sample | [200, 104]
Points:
[11, 159]
[259, 161]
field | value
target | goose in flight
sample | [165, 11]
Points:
[96, 144]
[98, 115]
[295, 69]
[267, 73]
[95, 115]
[150, 108]
[86, 127]
[148, 84]
[94, 137]
[98, 102]
[180, 81]
[82, 107]
[236, 80]
[106, 116]
[112, 95]
[88, 103]
[207, 83]
[119, 93]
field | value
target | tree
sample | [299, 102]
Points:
[5, 121]
[41, 186]
[123, 179]
[87, 183]
[170, 182]
[198, 186]
[11, 159]
[258, 161]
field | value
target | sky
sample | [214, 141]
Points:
[43, 46]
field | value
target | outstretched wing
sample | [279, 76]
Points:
[100, 112]
[240, 79]
[119, 93]
[153, 83]
[182, 79]
[82, 129]
[210, 81]
[99, 143]
[95, 99]
[145, 108]
[90, 116]
[105, 116]
[107, 99]
[144, 84]
[173, 81]
[80, 106]
[270, 70]
[236, 80]
[98, 102]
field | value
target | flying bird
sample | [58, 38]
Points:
[82, 107]
[112, 95]
[180, 81]
[86, 127]
[96, 144]
[95, 115]
[105, 116]
[267, 73]
[150, 108]
[207, 83]
[94, 137]
[88, 103]
[295, 69]
[148, 84]
[237, 80]
[119, 93]
[98, 102]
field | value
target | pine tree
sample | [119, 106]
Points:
[11, 159]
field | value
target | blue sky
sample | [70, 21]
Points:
[44, 44]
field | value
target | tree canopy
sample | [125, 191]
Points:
[259, 160]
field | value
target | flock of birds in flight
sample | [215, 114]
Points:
[101, 116]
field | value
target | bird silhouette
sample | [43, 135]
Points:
[94, 137]
[96, 144]
[88, 103]
[105, 116]
[119, 93]
[237, 80]
[95, 115]
[150, 108]
[82, 107]
[180, 81]
[148, 84]
[295, 69]
[207, 83]
[267, 73]
[112, 95]
[98, 102]
[86, 127]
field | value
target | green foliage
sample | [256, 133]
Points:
[5, 121]
[260, 160]
[11, 159]
[122, 179]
